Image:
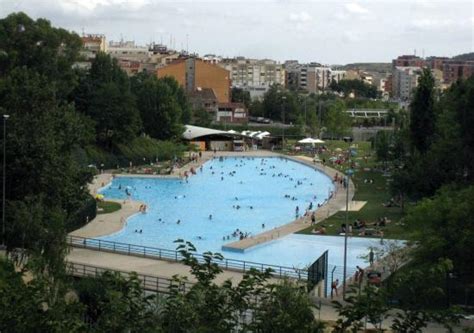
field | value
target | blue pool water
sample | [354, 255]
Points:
[258, 186]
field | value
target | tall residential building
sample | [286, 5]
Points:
[253, 75]
[404, 81]
[192, 73]
[408, 61]
[454, 70]
[91, 45]
[312, 77]
[127, 50]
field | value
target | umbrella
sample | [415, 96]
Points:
[309, 140]
[338, 149]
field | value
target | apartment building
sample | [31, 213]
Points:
[408, 61]
[192, 73]
[91, 45]
[253, 75]
[404, 81]
[312, 77]
[454, 70]
[127, 50]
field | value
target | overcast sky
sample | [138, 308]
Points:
[330, 32]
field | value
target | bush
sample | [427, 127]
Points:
[84, 214]
[141, 150]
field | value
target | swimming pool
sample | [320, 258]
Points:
[246, 193]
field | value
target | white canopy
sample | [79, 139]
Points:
[311, 140]
[193, 132]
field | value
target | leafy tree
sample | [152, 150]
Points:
[202, 118]
[43, 49]
[336, 120]
[104, 95]
[286, 308]
[116, 304]
[256, 108]
[422, 113]
[444, 229]
[367, 305]
[43, 176]
[358, 87]
[382, 146]
[161, 103]
[240, 95]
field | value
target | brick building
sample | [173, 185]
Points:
[232, 113]
[455, 70]
[192, 73]
[408, 61]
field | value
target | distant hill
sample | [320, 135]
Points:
[464, 56]
[380, 67]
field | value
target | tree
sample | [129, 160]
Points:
[422, 113]
[444, 229]
[367, 305]
[382, 146]
[358, 87]
[202, 118]
[285, 308]
[161, 103]
[104, 95]
[42, 49]
[336, 120]
[240, 95]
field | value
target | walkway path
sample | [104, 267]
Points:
[143, 266]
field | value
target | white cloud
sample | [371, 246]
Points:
[355, 8]
[300, 17]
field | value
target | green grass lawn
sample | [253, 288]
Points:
[106, 207]
[375, 194]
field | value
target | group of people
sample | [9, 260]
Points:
[237, 233]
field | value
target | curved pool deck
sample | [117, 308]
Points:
[107, 224]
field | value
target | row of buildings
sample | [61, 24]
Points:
[407, 69]
[208, 79]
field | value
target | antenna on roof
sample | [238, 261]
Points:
[187, 43]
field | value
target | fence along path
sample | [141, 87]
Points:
[175, 256]
[148, 282]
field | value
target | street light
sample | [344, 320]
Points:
[349, 173]
[5, 118]
[283, 121]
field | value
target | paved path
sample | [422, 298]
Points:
[143, 266]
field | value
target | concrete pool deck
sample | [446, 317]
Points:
[105, 224]
[144, 266]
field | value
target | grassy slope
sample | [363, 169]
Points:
[375, 194]
[107, 207]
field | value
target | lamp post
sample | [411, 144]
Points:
[283, 121]
[5, 118]
[349, 173]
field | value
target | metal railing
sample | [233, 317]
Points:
[148, 282]
[175, 256]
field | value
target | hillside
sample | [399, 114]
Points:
[464, 56]
[380, 67]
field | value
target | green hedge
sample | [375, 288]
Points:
[84, 214]
[135, 151]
